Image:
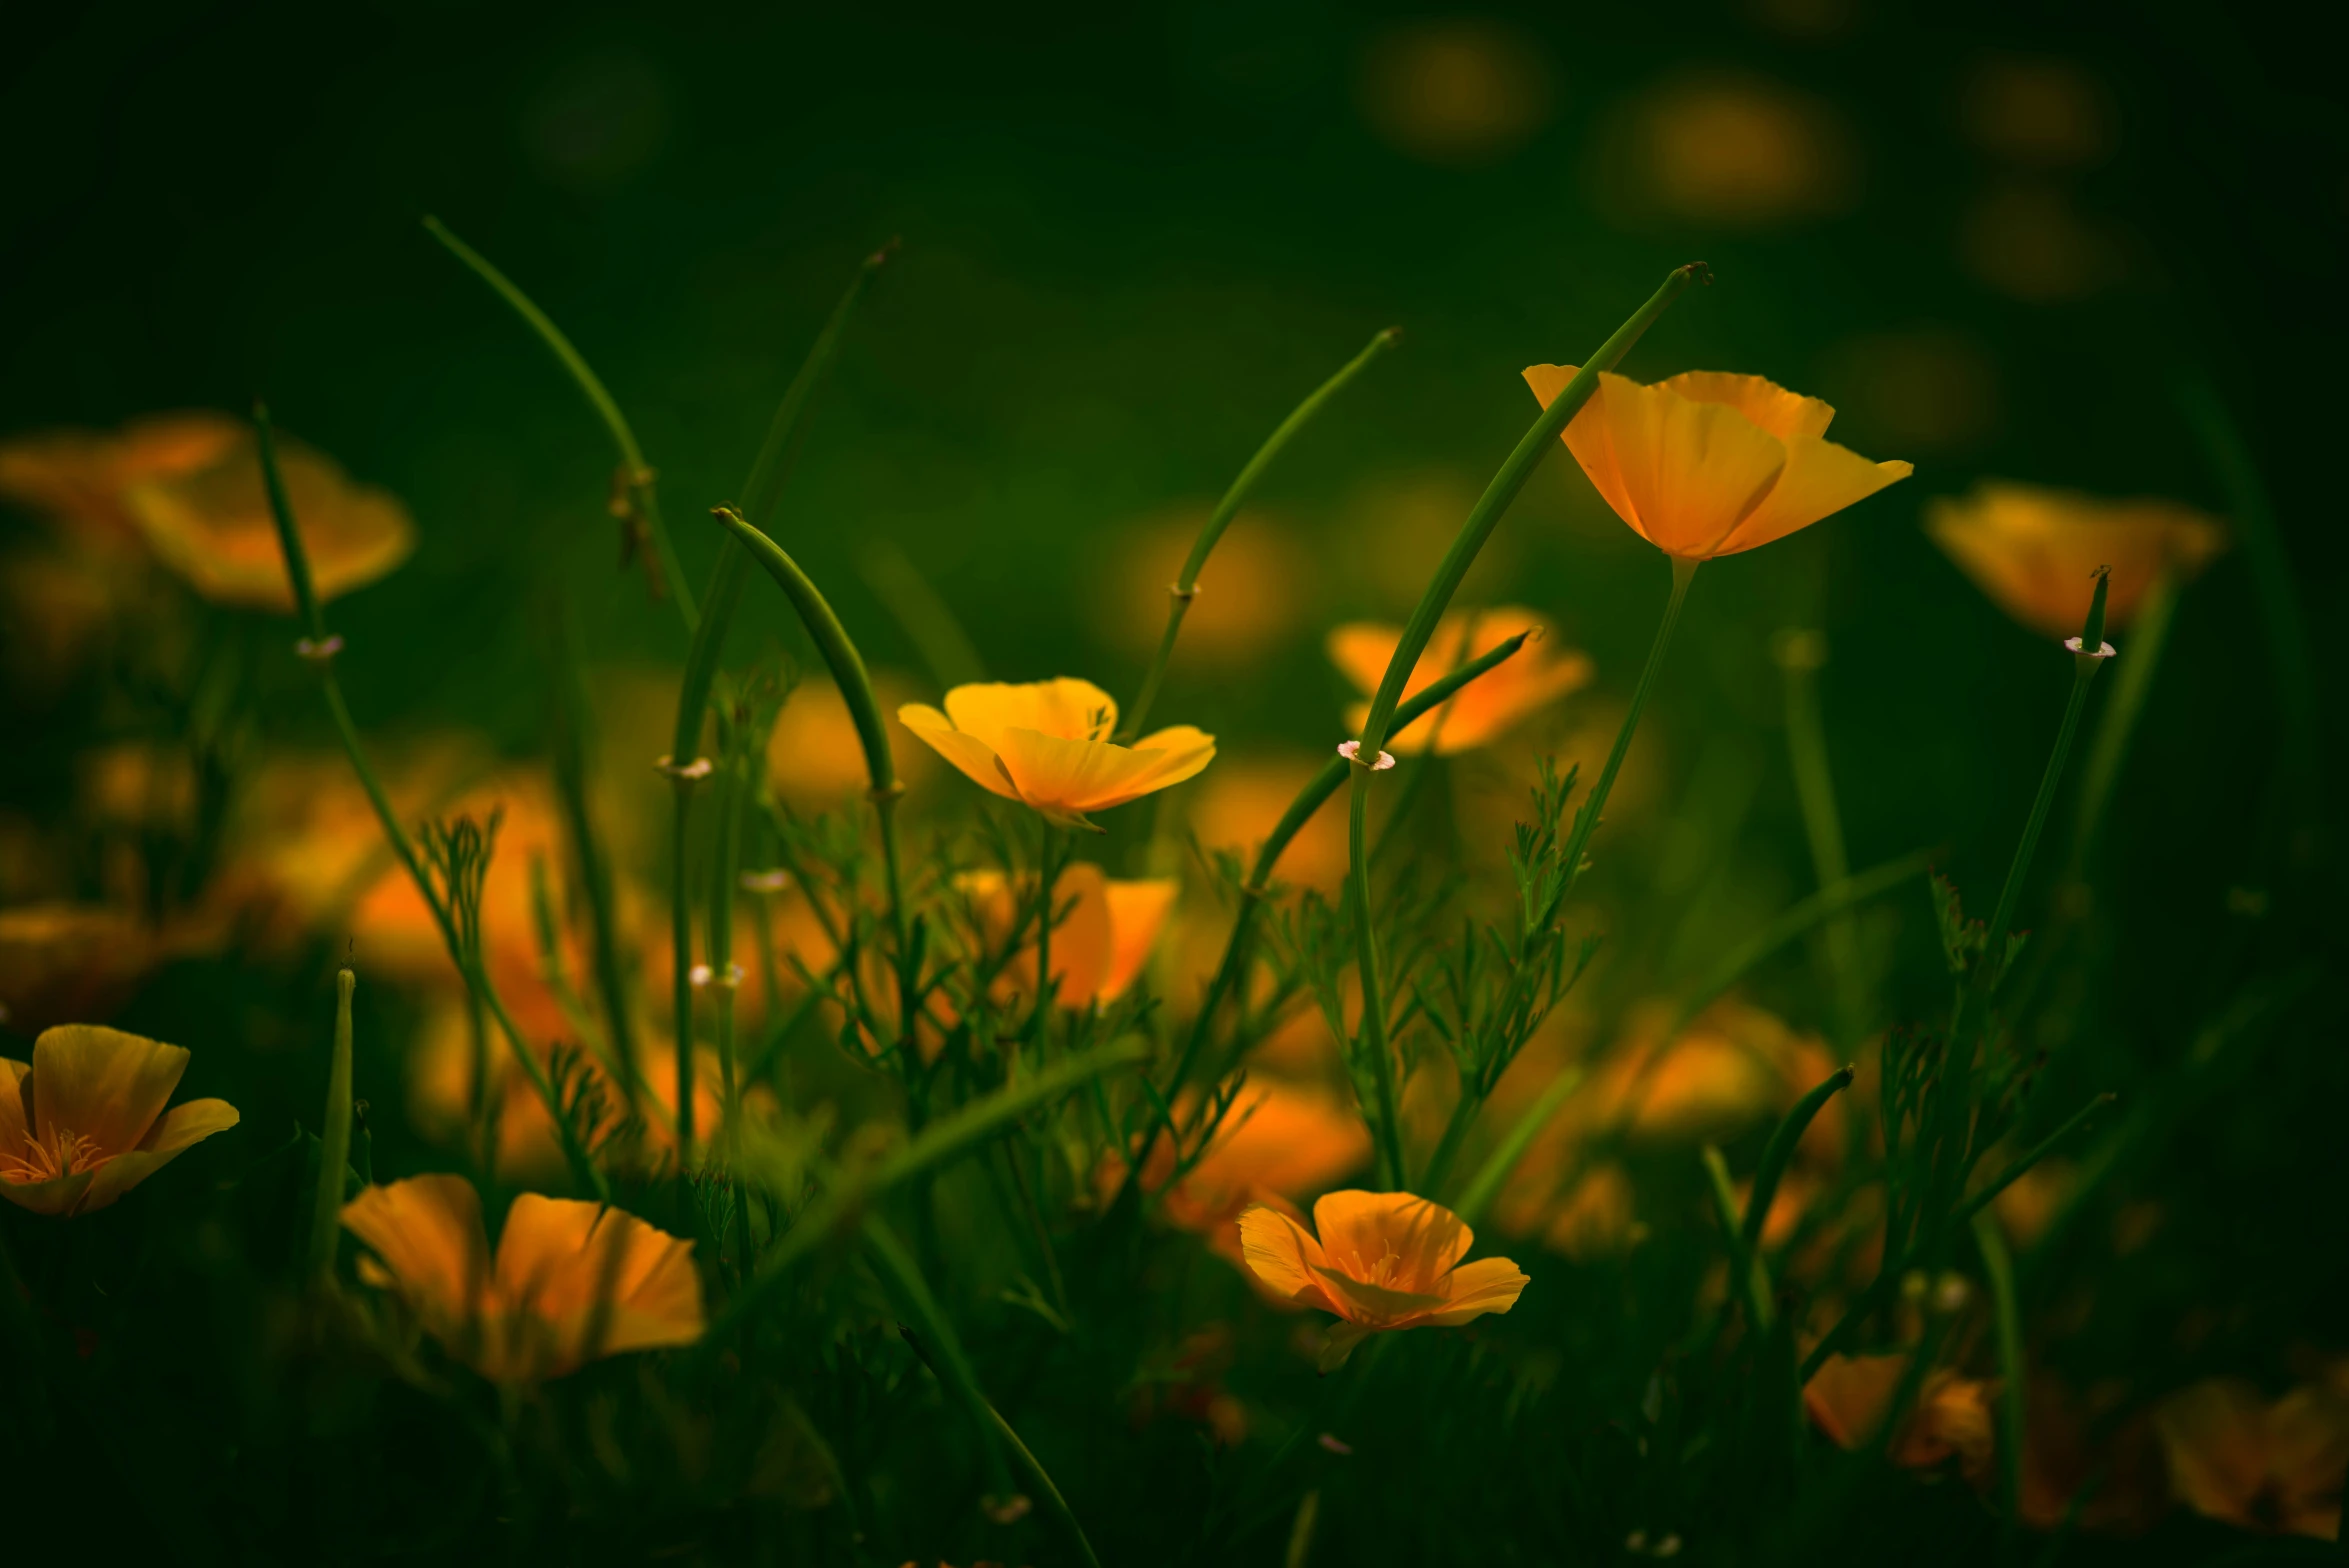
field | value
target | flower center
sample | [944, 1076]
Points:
[63, 1153]
[1381, 1274]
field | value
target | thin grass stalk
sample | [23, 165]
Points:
[1998, 1270]
[1798, 919]
[1482, 519]
[1185, 587]
[571, 718]
[1800, 653]
[636, 479]
[334, 1141]
[924, 616]
[946, 1139]
[2149, 634]
[1502, 1163]
[944, 1354]
[1744, 1266]
[320, 650]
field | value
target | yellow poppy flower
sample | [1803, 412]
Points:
[1106, 932]
[212, 526]
[2273, 1467]
[80, 479]
[573, 1281]
[2034, 551]
[1709, 463]
[83, 1122]
[1849, 1397]
[1383, 1260]
[1491, 704]
[1046, 744]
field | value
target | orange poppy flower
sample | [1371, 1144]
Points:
[815, 759]
[2034, 551]
[80, 479]
[573, 1281]
[213, 527]
[1047, 744]
[1384, 1260]
[1849, 1398]
[1708, 463]
[83, 1122]
[2274, 1467]
[1491, 705]
[1283, 1138]
[1105, 934]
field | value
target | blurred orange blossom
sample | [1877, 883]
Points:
[1709, 463]
[1105, 932]
[1491, 704]
[1850, 1397]
[572, 1281]
[2034, 551]
[2277, 1467]
[1046, 744]
[1382, 1261]
[83, 1122]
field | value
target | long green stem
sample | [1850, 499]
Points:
[1482, 519]
[1999, 1269]
[636, 479]
[334, 1141]
[943, 1354]
[320, 649]
[571, 728]
[1800, 654]
[2149, 633]
[1185, 587]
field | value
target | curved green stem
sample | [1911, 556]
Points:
[1186, 587]
[635, 476]
[334, 1140]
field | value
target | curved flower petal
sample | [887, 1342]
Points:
[1820, 480]
[428, 1232]
[1066, 707]
[1474, 1289]
[1284, 1255]
[15, 1126]
[2215, 1436]
[181, 1128]
[1173, 754]
[213, 527]
[1360, 1229]
[1849, 1396]
[973, 756]
[61, 1196]
[1137, 913]
[1359, 1301]
[1764, 402]
[93, 1082]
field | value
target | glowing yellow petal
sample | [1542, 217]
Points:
[14, 1128]
[1361, 1229]
[1763, 402]
[1362, 650]
[2031, 549]
[101, 1084]
[428, 1232]
[1284, 1255]
[595, 1280]
[1137, 913]
[973, 756]
[1173, 754]
[1474, 1289]
[1820, 480]
[1067, 708]
[214, 528]
[179, 1129]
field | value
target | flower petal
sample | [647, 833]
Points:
[101, 1084]
[1820, 479]
[1358, 1229]
[1137, 913]
[61, 1196]
[1768, 405]
[428, 1232]
[1474, 1289]
[1176, 753]
[592, 1281]
[1066, 707]
[1362, 1302]
[1284, 1255]
[178, 1130]
[973, 756]
[1362, 650]
[1849, 1397]
[15, 1126]
[2215, 1436]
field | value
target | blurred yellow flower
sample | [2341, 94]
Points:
[1730, 1067]
[1849, 1397]
[2277, 1467]
[213, 527]
[1255, 588]
[1707, 463]
[80, 480]
[1459, 90]
[1283, 1138]
[1240, 803]
[2034, 550]
[1046, 744]
[1731, 151]
[814, 757]
[1493, 703]
[1383, 1260]
[83, 1122]
[573, 1281]
[1106, 931]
